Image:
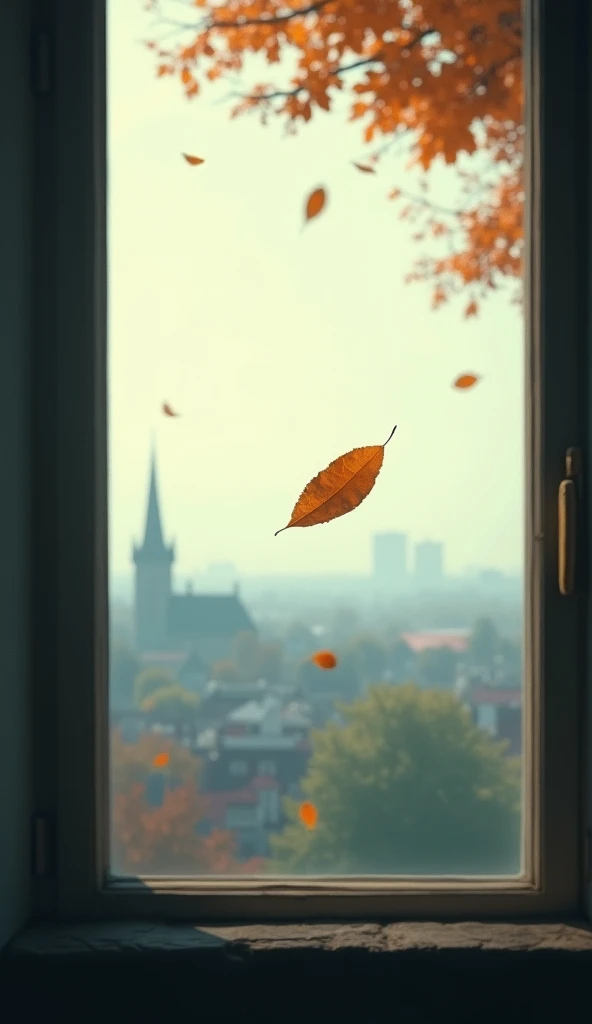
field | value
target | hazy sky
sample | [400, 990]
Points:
[284, 348]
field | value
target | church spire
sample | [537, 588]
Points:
[153, 548]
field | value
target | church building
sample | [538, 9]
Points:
[203, 624]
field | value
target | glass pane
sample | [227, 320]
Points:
[286, 286]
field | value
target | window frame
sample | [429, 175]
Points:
[70, 606]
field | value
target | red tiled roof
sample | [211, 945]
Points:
[489, 695]
[418, 642]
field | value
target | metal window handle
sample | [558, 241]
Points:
[567, 523]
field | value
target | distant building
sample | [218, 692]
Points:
[167, 622]
[390, 558]
[456, 640]
[251, 758]
[429, 563]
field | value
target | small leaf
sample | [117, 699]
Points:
[394, 193]
[466, 380]
[339, 488]
[160, 760]
[315, 203]
[308, 814]
[168, 411]
[324, 659]
[193, 160]
[365, 168]
[472, 309]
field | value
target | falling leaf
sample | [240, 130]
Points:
[472, 309]
[315, 203]
[466, 380]
[167, 410]
[339, 488]
[193, 160]
[365, 168]
[324, 659]
[394, 193]
[160, 760]
[308, 814]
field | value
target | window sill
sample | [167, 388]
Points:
[480, 969]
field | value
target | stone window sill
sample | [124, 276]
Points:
[364, 972]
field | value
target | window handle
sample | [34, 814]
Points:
[567, 522]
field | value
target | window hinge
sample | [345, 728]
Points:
[42, 846]
[42, 63]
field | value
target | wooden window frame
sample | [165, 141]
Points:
[70, 609]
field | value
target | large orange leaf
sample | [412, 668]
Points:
[339, 488]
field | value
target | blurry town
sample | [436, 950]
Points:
[222, 723]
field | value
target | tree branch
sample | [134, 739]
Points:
[272, 19]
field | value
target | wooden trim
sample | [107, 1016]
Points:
[552, 791]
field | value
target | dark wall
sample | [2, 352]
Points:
[15, 251]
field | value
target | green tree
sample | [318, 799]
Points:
[150, 680]
[171, 703]
[407, 785]
[401, 660]
[369, 657]
[484, 643]
[436, 666]
[226, 671]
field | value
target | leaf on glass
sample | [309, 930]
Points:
[308, 814]
[168, 411]
[193, 160]
[315, 204]
[465, 381]
[324, 659]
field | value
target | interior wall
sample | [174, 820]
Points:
[15, 254]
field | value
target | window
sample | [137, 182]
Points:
[467, 468]
[240, 817]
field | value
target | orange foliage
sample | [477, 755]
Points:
[163, 841]
[339, 488]
[444, 76]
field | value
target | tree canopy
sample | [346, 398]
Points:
[407, 785]
[441, 79]
[150, 680]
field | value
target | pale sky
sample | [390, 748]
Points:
[285, 348]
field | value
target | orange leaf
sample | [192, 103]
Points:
[193, 160]
[167, 410]
[339, 488]
[466, 380]
[315, 203]
[308, 814]
[472, 309]
[365, 168]
[324, 659]
[160, 760]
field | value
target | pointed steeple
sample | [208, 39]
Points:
[153, 548]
